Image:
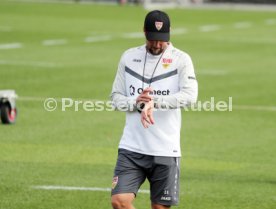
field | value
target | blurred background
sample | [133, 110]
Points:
[71, 49]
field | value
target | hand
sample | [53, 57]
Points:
[144, 97]
[147, 114]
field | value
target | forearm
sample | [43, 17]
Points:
[123, 103]
[181, 99]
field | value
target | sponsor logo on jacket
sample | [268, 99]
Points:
[133, 91]
[166, 62]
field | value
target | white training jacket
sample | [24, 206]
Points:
[175, 86]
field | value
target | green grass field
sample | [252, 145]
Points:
[228, 158]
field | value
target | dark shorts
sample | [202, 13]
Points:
[162, 172]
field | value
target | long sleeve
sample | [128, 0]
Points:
[188, 88]
[118, 95]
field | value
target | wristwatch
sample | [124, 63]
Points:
[140, 107]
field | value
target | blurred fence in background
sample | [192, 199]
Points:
[160, 4]
[165, 1]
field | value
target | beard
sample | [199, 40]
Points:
[155, 51]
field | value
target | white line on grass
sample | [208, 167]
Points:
[241, 25]
[270, 21]
[209, 28]
[31, 99]
[42, 99]
[93, 39]
[179, 31]
[254, 107]
[30, 63]
[246, 40]
[133, 35]
[11, 46]
[70, 188]
[54, 42]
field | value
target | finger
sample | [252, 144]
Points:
[145, 96]
[145, 120]
[143, 100]
[151, 118]
[147, 90]
[144, 123]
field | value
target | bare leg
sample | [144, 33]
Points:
[122, 201]
[157, 206]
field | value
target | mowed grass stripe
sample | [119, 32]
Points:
[131, 35]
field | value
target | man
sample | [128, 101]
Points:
[153, 82]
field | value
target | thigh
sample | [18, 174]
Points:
[128, 175]
[164, 181]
